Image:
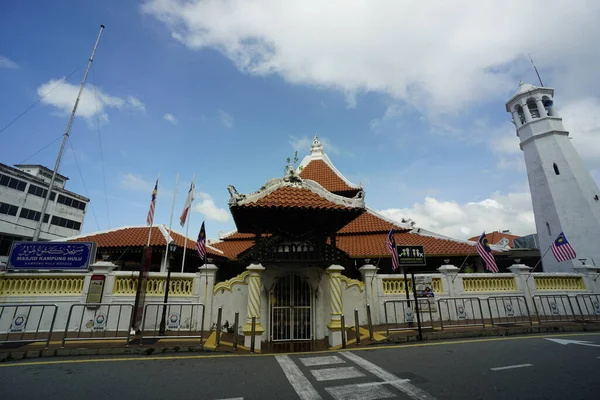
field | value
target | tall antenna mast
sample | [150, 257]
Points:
[38, 228]
[536, 71]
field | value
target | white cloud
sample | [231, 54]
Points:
[6, 62]
[467, 53]
[302, 144]
[206, 206]
[582, 119]
[226, 119]
[511, 211]
[391, 112]
[171, 118]
[136, 182]
[63, 98]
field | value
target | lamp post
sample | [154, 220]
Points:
[172, 248]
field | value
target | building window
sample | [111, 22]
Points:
[12, 183]
[40, 192]
[556, 171]
[32, 215]
[66, 223]
[67, 201]
[8, 209]
[548, 229]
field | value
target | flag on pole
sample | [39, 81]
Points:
[201, 243]
[188, 204]
[150, 217]
[562, 250]
[391, 245]
[485, 252]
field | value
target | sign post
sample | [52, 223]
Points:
[412, 276]
[96, 289]
[410, 256]
[140, 295]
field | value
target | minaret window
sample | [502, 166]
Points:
[531, 104]
[548, 103]
[519, 111]
[556, 171]
[548, 229]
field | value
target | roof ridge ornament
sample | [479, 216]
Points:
[316, 148]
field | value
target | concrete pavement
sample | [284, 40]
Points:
[528, 367]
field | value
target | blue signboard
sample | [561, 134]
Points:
[57, 256]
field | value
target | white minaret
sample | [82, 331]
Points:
[565, 197]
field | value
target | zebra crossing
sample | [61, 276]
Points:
[326, 377]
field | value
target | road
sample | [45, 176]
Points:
[527, 367]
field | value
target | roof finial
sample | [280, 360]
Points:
[316, 148]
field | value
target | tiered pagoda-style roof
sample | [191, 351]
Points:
[318, 186]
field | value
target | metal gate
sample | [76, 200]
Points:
[291, 309]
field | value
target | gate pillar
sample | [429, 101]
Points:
[336, 305]
[253, 309]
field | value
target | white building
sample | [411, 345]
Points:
[564, 195]
[22, 192]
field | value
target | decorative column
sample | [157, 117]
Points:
[517, 119]
[541, 108]
[525, 282]
[369, 278]
[526, 112]
[204, 283]
[450, 281]
[336, 305]
[253, 310]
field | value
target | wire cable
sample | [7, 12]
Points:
[83, 181]
[41, 98]
[42, 149]
[100, 140]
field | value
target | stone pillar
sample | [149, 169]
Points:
[525, 283]
[253, 310]
[336, 304]
[203, 291]
[526, 112]
[517, 119]
[591, 277]
[450, 280]
[369, 278]
[541, 108]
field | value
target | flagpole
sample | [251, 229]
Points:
[171, 219]
[152, 222]
[538, 263]
[187, 226]
[461, 267]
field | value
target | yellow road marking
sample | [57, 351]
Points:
[400, 346]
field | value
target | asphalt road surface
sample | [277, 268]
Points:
[527, 367]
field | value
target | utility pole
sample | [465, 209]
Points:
[38, 228]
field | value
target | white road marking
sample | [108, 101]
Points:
[381, 383]
[330, 374]
[511, 367]
[406, 387]
[313, 361]
[565, 342]
[354, 392]
[299, 382]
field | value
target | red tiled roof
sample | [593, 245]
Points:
[369, 222]
[495, 237]
[295, 197]
[373, 245]
[231, 248]
[137, 237]
[319, 171]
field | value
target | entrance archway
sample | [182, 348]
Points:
[291, 309]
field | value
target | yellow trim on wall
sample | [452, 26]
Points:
[559, 283]
[485, 284]
[127, 286]
[353, 283]
[228, 284]
[41, 285]
[398, 285]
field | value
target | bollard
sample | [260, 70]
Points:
[235, 329]
[369, 322]
[219, 314]
[343, 330]
[356, 326]
[252, 333]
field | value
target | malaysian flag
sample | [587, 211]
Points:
[562, 250]
[391, 245]
[150, 217]
[485, 252]
[201, 243]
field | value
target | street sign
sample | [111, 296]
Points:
[54, 256]
[95, 289]
[411, 255]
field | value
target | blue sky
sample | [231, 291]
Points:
[409, 101]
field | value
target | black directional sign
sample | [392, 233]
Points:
[411, 255]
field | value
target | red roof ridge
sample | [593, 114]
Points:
[317, 153]
[401, 225]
